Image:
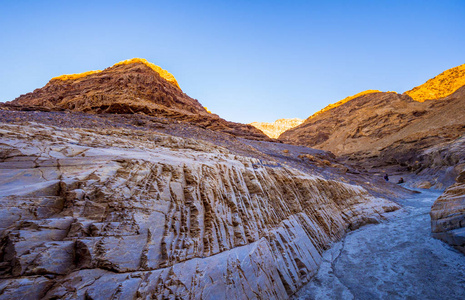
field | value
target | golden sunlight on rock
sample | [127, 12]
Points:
[273, 130]
[163, 73]
[75, 76]
[345, 100]
[440, 86]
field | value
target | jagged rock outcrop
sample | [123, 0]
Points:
[448, 215]
[274, 130]
[129, 87]
[125, 214]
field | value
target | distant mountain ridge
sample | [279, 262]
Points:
[275, 129]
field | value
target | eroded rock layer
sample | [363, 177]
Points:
[125, 214]
[448, 215]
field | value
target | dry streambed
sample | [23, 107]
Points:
[397, 259]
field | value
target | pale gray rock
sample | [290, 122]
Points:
[121, 214]
[448, 215]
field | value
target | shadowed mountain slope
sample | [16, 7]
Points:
[386, 129]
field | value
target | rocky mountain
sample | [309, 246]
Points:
[274, 130]
[92, 209]
[383, 130]
[131, 87]
[440, 86]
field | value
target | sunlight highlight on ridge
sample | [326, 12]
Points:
[440, 86]
[163, 73]
[75, 76]
[345, 100]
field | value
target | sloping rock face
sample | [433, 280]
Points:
[129, 87]
[391, 131]
[448, 215]
[384, 129]
[125, 214]
[274, 130]
[440, 86]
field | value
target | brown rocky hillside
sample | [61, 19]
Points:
[386, 129]
[440, 86]
[130, 87]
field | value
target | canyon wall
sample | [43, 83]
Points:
[126, 214]
[448, 215]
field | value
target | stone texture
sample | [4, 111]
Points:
[124, 214]
[448, 215]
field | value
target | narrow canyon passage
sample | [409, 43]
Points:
[397, 259]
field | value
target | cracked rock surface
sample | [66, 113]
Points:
[126, 214]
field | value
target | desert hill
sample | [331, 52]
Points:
[275, 129]
[440, 86]
[389, 129]
[134, 86]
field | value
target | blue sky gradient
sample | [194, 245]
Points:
[245, 60]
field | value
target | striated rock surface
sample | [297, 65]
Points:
[134, 87]
[125, 214]
[448, 215]
[274, 130]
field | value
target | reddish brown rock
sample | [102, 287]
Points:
[381, 130]
[132, 87]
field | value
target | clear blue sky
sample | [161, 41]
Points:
[245, 60]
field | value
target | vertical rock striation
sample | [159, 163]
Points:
[124, 214]
[448, 215]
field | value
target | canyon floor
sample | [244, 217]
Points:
[397, 259]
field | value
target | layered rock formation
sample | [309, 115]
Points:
[124, 214]
[274, 130]
[448, 215]
[130, 87]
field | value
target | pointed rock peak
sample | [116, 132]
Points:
[440, 86]
[345, 100]
[163, 73]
